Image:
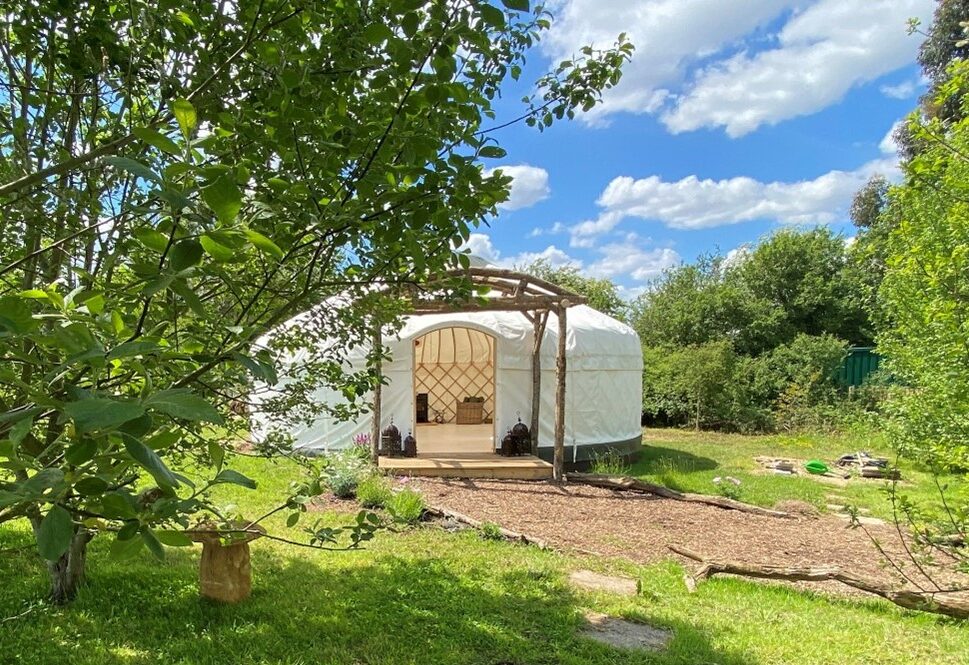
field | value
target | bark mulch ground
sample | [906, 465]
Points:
[640, 527]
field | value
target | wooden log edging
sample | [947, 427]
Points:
[938, 602]
[507, 534]
[635, 485]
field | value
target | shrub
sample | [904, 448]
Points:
[374, 492]
[344, 471]
[491, 531]
[406, 506]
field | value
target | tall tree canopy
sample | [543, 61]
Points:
[175, 179]
[602, 293]
[925, 292]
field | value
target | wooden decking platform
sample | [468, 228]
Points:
[468, 465]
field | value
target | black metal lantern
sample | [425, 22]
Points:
[522, 438]
[390, 443]
[507, 445]
[410, 446]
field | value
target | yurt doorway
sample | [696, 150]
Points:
[454, 391]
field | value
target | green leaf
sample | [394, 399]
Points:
[185, 115]
[234, 478]
[292, 519]
[55, 533]
[136, 347]
[182, 403]
[173, 538]
[224, 197]
[90, 486]
[157, 139]
[133, 167]
[81, 452]
[152, 239]
[154, 545]
[185, 254]
[117, 506]
[217, 250]
[264, 244]
[217, 453]
[517, 5]
[125, 549]
[15, 315]
[98, 413]
[150, 460]
[181, 287]
[492, 152]
[492, 16]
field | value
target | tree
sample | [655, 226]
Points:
[806, 278]
[925, 333]
[177, 181]
[602, 293]
[924, 327]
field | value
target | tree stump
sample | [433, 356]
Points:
[225, 573]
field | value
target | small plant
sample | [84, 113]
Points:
[610, 463]
[344, 471]
[374, 492]
[406, 506]
[728, 487]
[491, 531]
[361, 446]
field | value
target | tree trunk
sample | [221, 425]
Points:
[637, 485]
[953, 603]
[67, 573]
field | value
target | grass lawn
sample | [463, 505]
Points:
[426, 596]
[689, 461]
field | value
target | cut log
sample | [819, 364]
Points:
[954, 603]
[507, 534]
[225, 572]
[636, 485]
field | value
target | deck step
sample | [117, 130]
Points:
[468, 465]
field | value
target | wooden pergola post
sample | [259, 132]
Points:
[558, 459]
[538, 321]
[375, 425]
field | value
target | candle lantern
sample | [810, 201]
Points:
[410, 446]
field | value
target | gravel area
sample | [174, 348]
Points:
[640, 527]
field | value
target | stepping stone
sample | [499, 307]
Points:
[867, 521]
[590, 581]
[623, 634]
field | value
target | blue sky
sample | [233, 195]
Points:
[734, 118]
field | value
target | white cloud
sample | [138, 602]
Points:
[480, 245]
[668, 35]
[629, 260]
[821, 49]
[903, 90]
[695, 203]
[622, 259]
[822, 52]
[529, 185]
[888, 144]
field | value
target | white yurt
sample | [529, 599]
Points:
[458, 381]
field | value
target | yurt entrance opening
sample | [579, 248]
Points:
[454, 390]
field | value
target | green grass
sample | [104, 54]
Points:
[427, 596]
[689, 461]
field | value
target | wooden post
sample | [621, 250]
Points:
[538, 321]
[375, 426]
[558, 459]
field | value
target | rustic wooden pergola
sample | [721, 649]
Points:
[498, 289]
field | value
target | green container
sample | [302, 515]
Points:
[817, 467]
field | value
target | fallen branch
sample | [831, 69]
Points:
[507, 534]
[636, 485]
[938, 602]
